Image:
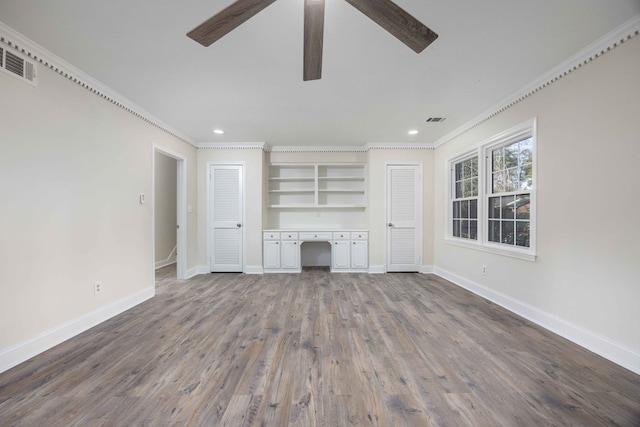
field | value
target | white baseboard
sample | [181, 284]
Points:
[194, 271]
[12, 356]
[427, 269]
[602, 346]
[253, 269]
[171, 259]
[376, 269]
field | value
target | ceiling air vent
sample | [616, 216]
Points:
[435, 119]
[18, 66]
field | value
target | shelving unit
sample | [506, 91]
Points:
[319, 185]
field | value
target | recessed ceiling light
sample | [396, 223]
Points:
[218, 131]
[413, 132]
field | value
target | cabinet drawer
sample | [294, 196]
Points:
[271, 236]
[341, 236]
[360, 235]
[289, 236]
[318, 237]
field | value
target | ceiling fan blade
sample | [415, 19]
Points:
[313, 39]
[222, 23]
[395, 20]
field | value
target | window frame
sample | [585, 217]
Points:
[483, 152]
[452, 198]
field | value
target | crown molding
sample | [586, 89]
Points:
[399, 146]
[34, 51]
[233, 145]
[315, 149]
[605, 44]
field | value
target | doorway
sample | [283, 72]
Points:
[169, 210]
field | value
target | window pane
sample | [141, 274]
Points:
[474, 187]
[497, 161]
[474, 166]
[494, 207]
[523, 206]
[467, 172]
[464, 209]
[522, 233]
[507, 232]
[526, 177]
[473, 209]
[464, 229]
[494, 231]
[458, 171]
[497, 184]
[456, 209]
[513, 180]
[508, 207]
[511, 155]
[458, 189]
[456, 228]
[526, 151]
[468, 190]
[473, 230]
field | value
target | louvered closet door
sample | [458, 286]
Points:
[404, 211]
[225, 216]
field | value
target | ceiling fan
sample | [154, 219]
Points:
[385, 13]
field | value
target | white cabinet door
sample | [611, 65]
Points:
[225, 216]
[271, 254]
[404, 213]
[340, 251]
[290, 259]
[359, 254]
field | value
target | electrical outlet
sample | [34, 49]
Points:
[97, 287]
[484, 270]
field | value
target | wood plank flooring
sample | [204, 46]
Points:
[317, 349]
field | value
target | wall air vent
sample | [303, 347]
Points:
[18, 66]
[435, 119]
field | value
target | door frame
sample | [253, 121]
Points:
[181, 207]
[420, 204]
[243, 176]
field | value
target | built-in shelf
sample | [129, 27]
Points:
[317, 185]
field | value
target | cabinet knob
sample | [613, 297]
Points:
[277, 243]
[354, 243]
[390, 225]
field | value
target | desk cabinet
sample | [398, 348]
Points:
[281, 249]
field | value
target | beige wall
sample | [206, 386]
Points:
[165, 203]
[253, 161]
[72, 166]
[588, 271]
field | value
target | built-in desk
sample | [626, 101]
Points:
[349, 249]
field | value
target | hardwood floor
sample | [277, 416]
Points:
[317, 349]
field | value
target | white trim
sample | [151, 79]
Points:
[171, 259]
[195, 271]
[427, 269]
[606, 43]
[376, 269]
[399, 146]
[602, 346]
[314, 149]
[254, 269]
[233, 145]
[38, 53]
[181, 208]
[13, 356]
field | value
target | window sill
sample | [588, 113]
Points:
[493, 249]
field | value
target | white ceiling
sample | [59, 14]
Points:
[373, 88]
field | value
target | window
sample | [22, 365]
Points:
[509, 198]
[465, 199]
[491, 202]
